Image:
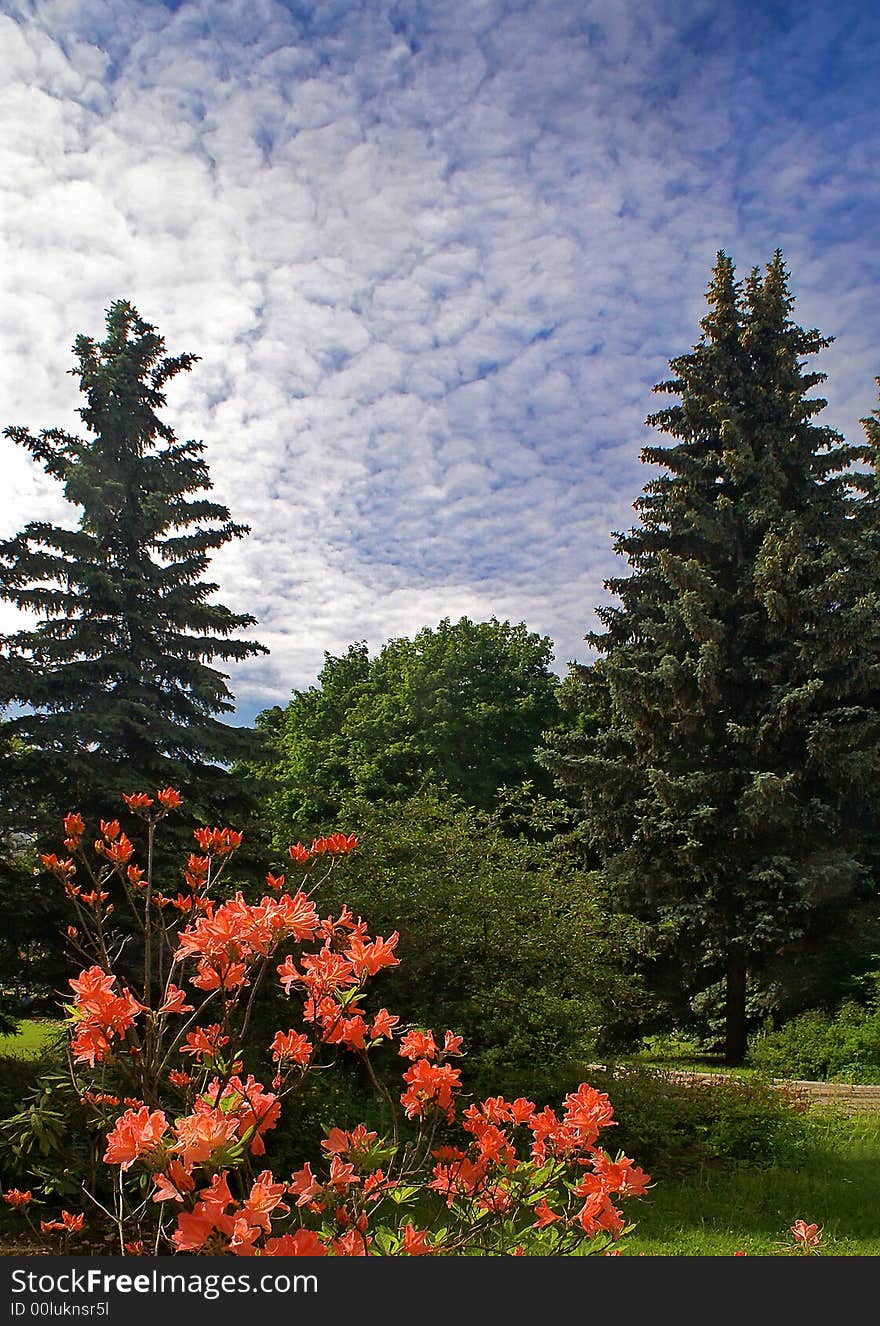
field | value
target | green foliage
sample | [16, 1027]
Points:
[341, 1097]
[726, 748]
[18, 1075]
[46, 1136]
[683, 1122]
[500, 939]
[818, 1045]
[463, 706]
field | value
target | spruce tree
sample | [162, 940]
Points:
[113, 688]
[727, 762]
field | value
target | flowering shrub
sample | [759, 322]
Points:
[158, 1060]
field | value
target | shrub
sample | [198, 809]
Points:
[160, 1071]
[823, 1046]
[683, 1121]
[502, 938]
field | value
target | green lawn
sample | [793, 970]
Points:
[714, 1214]
[30, 1038]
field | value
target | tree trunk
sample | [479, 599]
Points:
[735, 1007]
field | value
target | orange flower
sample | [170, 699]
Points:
[352, 1244]
[429, 1086]
[415, 1242]
[335, 844]
[291, 1045]
[299, 853]
[173, 1184]
[544, 1214]
[200, 1135]
[807, 1236]
[135, 1133]
[452, 1043]
[95, 897]
[137, 800]
[303, 1243]
[598, 1213]
[221, 841]
[219, 975]
[377, 1185]
[91, 987]
[368, 959]
[304, 1186]
[205, 1041]
[175, 1001]
[418, 1045]
[522, 1110]
[586, 1112]
[74, 825]
[110, 829]
[15, 1197]
[383, 1024]
[275, 881]
[194, 1228]
[60, 868]
[121, 851]
[265, 1197]
[68, 1224]
[255, 1110]
[168, 798]
[337, 1141]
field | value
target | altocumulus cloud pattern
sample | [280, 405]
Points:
[434, 256]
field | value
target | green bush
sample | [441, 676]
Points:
[501, 940]
[49, 1139]
[18, 1077]
[678, 1122]
[844, 1046]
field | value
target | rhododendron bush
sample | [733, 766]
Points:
[160, 1031]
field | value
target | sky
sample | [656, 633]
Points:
[434, 254]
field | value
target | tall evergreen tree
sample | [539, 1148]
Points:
[113, 688]
[728, 760]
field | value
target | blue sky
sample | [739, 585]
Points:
[434, 256]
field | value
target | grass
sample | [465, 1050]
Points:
[716, 1213]
[681, 1055]
[32, 1036]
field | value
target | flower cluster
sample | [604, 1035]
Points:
[102, 1017]
[182, 1118]
[229, 940]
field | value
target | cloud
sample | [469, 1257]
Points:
[433, 257]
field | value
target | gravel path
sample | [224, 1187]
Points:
[846, 1097]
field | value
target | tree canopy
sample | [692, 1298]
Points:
[463, 705]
